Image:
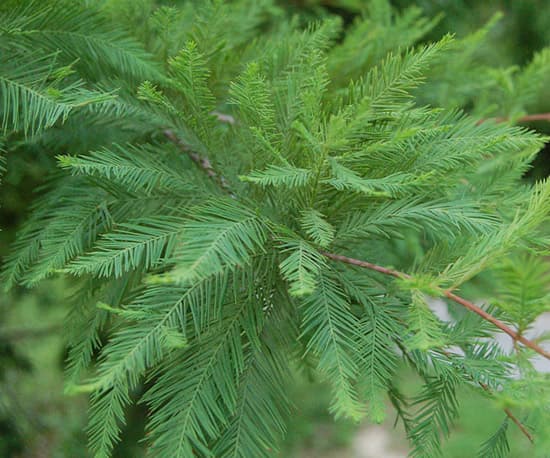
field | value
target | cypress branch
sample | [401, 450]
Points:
[450, 295]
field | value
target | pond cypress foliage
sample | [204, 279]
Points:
[239, 194]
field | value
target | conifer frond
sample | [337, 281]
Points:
[375, 344]
[31, 99]
[197, 388]
[301, 266]
[376, 34]
[497, 445]
[198, 201]
[532, 79]
[522, 289]
[139, 243]
[80, 33]
[331, 330]
[254, 100]
[137, 168]
[389, 186]
[189, 76]
[426, 331]
[448, 218]
[157, 325]
[106, 417]
[221, 233]
[493, 246]
[70, 234]
[87, 322]
[291, 177]
[317, 227]
[258, 422]
[259, 419]
[437, 408]
[26, 249]
[156, 317]
[387, 86]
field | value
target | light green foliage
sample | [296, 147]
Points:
[196, 228]
[522, 289]
[318, 229]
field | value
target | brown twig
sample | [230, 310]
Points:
[459, 300]
[511, 416]
[519, 424]
[202, 162]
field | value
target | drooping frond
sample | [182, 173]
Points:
[522, 290]
[437, 408]
[329, 326]
[497, 445]
[154, 329]
[258, 421]
[317, 227]
[107, 414]
[70, 234]
[197, 388]
[379, 326]
[425, 329]
[301, 266]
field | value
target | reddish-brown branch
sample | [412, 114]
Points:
[519, 424]
[511, 416]
[526, 118]
[366, 265]
[459, 300]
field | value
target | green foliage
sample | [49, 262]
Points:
[197, 230]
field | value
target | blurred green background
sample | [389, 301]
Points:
[38, 420]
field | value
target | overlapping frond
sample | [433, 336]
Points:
[259, 420]
[80, 32]
[139, 243]
[331, 331]
[221, 233]
[497, 445]
[301, 266]
[317, 227]
[136, 168]
[197, 389]
[30, 97]
[446, 218]
[288, 176]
